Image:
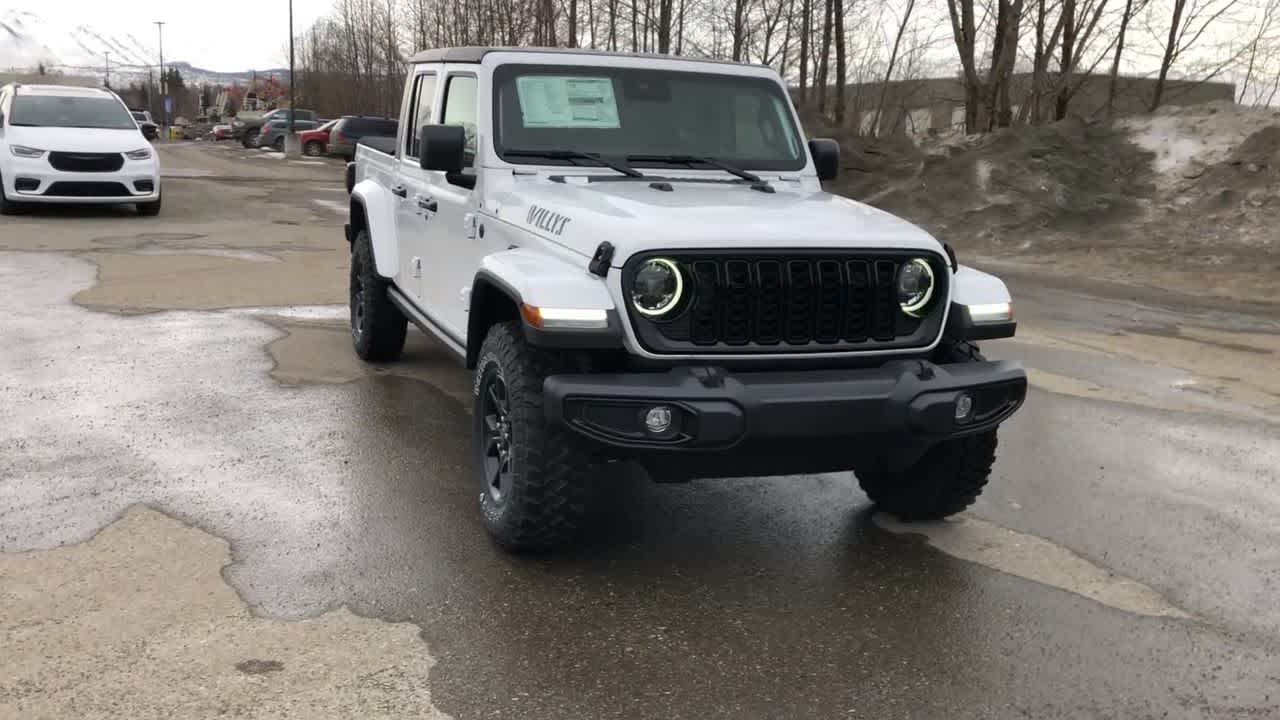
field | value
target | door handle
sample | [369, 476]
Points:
[400, 190]
[428, 204]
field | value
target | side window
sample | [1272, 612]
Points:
[460, 109]
[424, 95]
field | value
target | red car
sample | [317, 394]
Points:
[316, 142]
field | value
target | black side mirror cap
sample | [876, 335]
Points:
[441, 147]
[826, 157]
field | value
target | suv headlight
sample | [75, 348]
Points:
[915, 286]
[140, 154]
[23, 151]
[657, 287]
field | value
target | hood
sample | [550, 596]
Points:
[635, 217]
[59, 139]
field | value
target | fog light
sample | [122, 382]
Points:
[26, 184]
[964, 407]
[658, 419]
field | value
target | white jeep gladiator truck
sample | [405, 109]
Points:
[635, 255]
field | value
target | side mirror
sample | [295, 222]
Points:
[826, 157]
[441, 147]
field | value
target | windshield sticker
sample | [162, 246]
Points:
[544, 219]
[550, 101]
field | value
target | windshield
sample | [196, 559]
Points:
[620, 112]
[69, 111]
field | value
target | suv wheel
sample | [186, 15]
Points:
[149, 209]
[251, 139]
[278, 144]
[948, 478]
[7, 206]
[378, 327]
[313, 149]
[532, 477]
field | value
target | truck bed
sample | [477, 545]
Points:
[375, 159]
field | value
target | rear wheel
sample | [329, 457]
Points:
[313, 149]
[251, 138]
[278, 144]
[948, 478]
[533, 478]
[378, 328]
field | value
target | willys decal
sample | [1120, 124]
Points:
[544, 219]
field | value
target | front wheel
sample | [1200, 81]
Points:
[533, 479]
[946, 480]
[7, 206]
[149, 209]
[949, 477]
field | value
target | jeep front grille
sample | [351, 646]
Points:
[787, 302]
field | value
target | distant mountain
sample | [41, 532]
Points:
[29, 41]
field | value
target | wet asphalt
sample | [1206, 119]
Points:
[749, 598]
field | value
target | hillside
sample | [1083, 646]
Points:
[1186, 199]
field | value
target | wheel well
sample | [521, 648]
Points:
[490, 304]
[358, 220]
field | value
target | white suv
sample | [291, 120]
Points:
[62, 144]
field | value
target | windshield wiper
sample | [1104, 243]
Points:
[699, 159]
[757, 182]
[576, 155]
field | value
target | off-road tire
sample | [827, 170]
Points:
[378, 327]
[948, 478]
[149, 209]
[546, 496]
[313, 149]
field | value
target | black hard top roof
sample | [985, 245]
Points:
[476, 54]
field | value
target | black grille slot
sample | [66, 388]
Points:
[798, 301]
[87, 189]
[86, 162]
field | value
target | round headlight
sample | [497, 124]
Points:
[657, 287]
[915, 286]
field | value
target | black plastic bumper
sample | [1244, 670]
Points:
[815, 420]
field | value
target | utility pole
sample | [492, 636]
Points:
[106, 82]
[291, 140]
[164, 95]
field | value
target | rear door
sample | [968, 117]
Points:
[421, 101]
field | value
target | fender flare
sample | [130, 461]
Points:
[542, 281]
[372, 210]
[971, 287]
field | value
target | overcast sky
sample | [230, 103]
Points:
[222, 35]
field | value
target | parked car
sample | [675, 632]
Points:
[316, 142]
[350, 128]
[273, 133]
[62, 144]
[221, 132]
[666, 282]
[149, 129]
[248, 125]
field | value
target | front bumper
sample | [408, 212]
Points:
[781, 422]
[34, 180]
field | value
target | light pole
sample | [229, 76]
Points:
[164, 111]
[107, 80]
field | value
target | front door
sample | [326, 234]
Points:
[453, 230]
[410, 184]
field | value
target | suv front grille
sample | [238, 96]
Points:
[86, 162]
[67, 188]
[794, 301]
